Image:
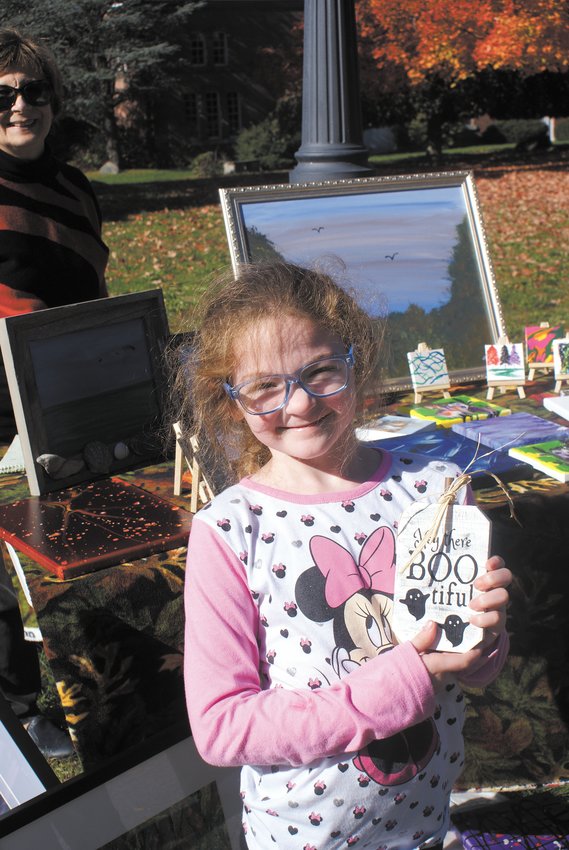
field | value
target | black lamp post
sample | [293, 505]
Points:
[332, 144]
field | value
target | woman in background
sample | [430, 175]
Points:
[51, 253]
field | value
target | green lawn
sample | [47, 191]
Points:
[165, 229]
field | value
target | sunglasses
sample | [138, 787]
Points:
[35, 93]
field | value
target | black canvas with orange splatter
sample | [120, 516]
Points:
[82, 529]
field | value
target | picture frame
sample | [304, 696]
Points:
[411, 247]
[144, 789]
[24, 772]
[87, 374]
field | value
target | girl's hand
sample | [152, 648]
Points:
[490, 607]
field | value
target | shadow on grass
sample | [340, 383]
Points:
[119, 201]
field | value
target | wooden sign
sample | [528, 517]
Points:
[436, 582]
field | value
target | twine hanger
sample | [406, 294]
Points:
[448, 497]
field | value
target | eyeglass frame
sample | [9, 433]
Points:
[348, 359]
[16, 90]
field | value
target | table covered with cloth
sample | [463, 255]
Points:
[114, 638]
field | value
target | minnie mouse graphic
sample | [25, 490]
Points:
[358, 598]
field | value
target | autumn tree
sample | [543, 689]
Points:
[448, 60]
[109, 52]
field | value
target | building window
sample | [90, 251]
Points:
[197, 49]
[212, 115]
[191, 110]
[219, 48]
[233, 112]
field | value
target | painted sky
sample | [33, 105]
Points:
[363, 229]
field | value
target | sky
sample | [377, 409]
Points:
[417, 226]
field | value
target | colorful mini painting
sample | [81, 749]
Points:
[444, 444]
[539, 343]
[519, 429]
[550, 457]
[505, 363]
[459, 408]
[428, 369]
[561, 358]
[391, 426]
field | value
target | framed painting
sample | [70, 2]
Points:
[412, 248]
[87, 384]
[158, 795]
[24, 773]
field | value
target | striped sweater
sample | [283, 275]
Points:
[51, 252]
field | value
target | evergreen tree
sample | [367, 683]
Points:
[110, 52]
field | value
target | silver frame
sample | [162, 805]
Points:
[234, 203]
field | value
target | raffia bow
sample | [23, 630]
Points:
[446, 499]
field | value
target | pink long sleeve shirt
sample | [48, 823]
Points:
[342, 738]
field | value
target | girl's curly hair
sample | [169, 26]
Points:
[231, 308]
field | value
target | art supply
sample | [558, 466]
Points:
[550, 457]
[86, 528]
[461, 408]
[392, 426]
[429, 372]
[518, 429]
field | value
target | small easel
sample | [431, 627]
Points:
[544, 366]
[201, 489]
[442, 383]
[508, 383]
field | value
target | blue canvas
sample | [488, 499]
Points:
[518, 429]
[444, 444]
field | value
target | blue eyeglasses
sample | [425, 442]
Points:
[270, 393]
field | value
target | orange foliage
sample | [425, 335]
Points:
[455, 40]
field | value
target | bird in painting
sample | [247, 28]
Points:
[318, 229]
[391, 256]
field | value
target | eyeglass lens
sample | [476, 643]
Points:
[269, 392]
[35, 93]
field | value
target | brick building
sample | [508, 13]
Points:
[240, 53]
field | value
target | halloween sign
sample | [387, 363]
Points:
[441, 550]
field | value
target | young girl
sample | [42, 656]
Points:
[291, 666]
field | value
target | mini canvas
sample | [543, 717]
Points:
[505, 363]
[539, 343]
[428, 369]
[444, 444]
[392, 426]
[558, 404]
[550, 457]
[88, 527]
[518, 429]
[561, 358]
[459, 408]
